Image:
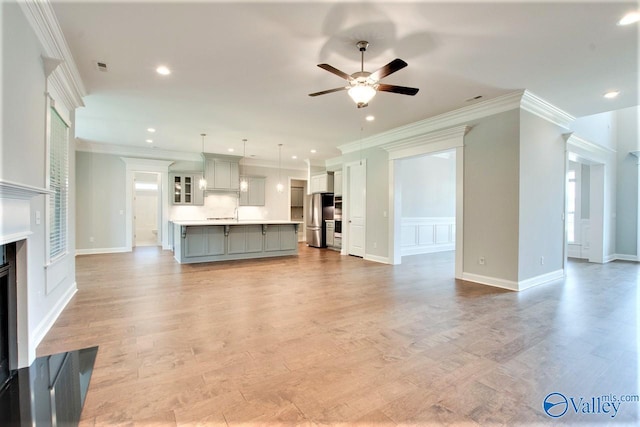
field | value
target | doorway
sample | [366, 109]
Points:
[428, 206]
[147, 209]
[298, 192]
[578, 210]
[585, 166]
[451, 139]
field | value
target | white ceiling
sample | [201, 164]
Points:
[244, 69]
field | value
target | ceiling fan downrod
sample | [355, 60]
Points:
[362, 45]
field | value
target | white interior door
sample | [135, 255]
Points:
[357, 208]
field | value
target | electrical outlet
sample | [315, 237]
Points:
[375, 245]
[91, 239]
[481, 260]
[541, 260]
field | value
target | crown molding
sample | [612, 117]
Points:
[541, 108]
[521, 99]
[171, 155]
[453, 118]
[131, 151]
[44, 23]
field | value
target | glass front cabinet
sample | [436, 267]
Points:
[185, 189]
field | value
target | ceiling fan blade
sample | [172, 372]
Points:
[403, 90]
[335, 71]
[324, 92]
[391, 67]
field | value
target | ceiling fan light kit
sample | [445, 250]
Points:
[364, 85]
[362, 94]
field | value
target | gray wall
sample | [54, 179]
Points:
[491, 159]
[101, 186]
[627, 181]
[542, 200]
[428, 186]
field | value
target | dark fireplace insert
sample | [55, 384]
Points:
[8, 317]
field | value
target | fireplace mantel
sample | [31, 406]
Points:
[15, 210]
[14, 190]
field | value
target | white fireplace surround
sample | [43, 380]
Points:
[15, 226]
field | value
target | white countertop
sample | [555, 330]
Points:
[233, 222]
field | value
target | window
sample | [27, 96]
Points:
[59, 184]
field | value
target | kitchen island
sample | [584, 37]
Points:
[222, 240]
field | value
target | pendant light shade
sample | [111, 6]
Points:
[244, 184]
[280, 187]
[202, 184]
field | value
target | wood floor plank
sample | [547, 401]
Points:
[323, 339]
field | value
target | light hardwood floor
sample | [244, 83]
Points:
[324, 339]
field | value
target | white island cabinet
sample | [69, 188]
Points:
[206, 241]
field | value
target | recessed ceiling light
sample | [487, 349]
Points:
[230, 150]
[612, 94]
[149, 141]
[163, 70]
[313, 151]
[629, 18]
[294, 157]
[152, 130]
[370, 118]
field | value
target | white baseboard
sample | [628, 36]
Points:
[94, 251]
[376, 258]
[511, 284]
[624, 257]
[491, 281]
[609, 258]
[539, 280]
[41, 330]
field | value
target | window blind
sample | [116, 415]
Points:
[59, 184]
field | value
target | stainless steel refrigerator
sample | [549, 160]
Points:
[319, 209]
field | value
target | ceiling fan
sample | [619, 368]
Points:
[364, 85]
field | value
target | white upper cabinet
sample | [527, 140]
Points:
[322, 183]
[337, 183]
[222, 172]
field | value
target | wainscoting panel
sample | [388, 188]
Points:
[427, 235]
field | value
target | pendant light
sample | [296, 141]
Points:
[202, 184]
[280, 187]
[244, 185]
